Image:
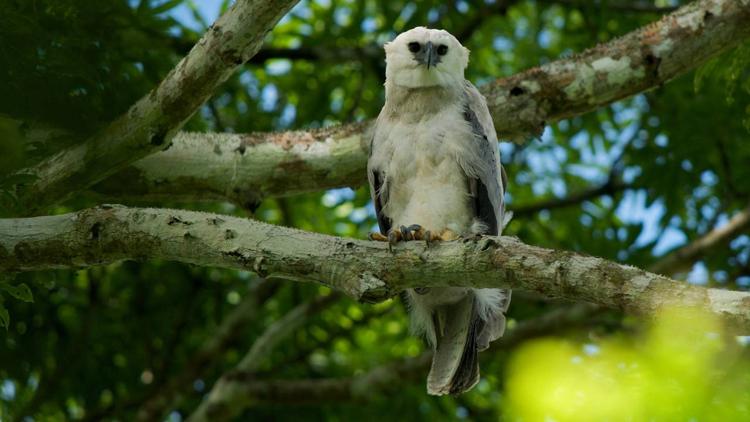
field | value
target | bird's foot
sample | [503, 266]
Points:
[402, 233]
[413, 232]
[394, 236]
[444, 235]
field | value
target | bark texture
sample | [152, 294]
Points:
[641, 60]
[151, 123]
[245, 168]
[521, 105]
[364, 270]
[237, 393]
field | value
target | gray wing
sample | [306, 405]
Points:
[487, 190]
[376, 178]
[487, 186]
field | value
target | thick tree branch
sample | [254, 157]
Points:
[151, 123]
[258, 165]
[363, 270]
[641, 60]
[245, 389]
[240, 388]
[244, 169]
[250, 390]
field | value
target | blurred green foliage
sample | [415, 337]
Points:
[682, 368]
[96, 344]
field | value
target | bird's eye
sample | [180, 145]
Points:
[442, 50]
[414, 47]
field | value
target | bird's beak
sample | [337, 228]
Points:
[430, 55]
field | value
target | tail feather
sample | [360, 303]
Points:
[463, 329]
[467, 373]
[452, 323]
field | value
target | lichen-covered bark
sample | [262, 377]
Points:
[245, 168]
[636, 62]
[151, 123]
[361, 269]
[213, 165]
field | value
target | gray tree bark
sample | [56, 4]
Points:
[151, 122]
[363, 270]
[246, 168]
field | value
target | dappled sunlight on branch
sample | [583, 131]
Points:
[681, 368]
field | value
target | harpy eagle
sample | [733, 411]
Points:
[435, 174]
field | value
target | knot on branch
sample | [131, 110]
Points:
[371, 289]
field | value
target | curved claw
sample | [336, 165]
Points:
[445, 235]
[406, 233]
[414, 232]
[394, 236]
[377, 237]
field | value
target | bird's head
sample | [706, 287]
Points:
[423, 57]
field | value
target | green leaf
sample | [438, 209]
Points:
[166, 6]
[703, 72]
[224, 6]
[20, 292]
[4, 317]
